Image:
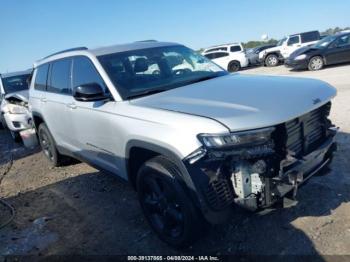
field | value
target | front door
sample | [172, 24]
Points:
[292, 44]
[96, 135]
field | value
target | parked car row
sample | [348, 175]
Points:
[192, 139]
[306, 50]
[330, 50]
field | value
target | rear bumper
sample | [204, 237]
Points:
[244, 62]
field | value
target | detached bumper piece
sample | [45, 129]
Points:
[257, 177]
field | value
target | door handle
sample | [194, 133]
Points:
[72, 106]
[44, 100]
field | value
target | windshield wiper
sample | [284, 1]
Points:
[204, 78]
[147, 93]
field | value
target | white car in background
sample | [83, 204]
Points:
[231, 57]
[273, 56]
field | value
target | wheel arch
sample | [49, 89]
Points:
[137, 152]
[319, 55]
[233, 61]
[37, 119]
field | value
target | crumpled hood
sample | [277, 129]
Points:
[242, 102]
[20, 95]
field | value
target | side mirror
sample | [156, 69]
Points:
[89, 93]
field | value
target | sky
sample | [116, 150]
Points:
[32, 29]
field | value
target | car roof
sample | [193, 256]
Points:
[17, 73]
[315, 31]
[223, 45]
[105, 50]
[342, 33]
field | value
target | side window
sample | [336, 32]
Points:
[41, 77]
[235, 48]
[343, 40]
[210, 56]
[221, 54]
[293, 40]
[84, 72]
[217, 49]
[309, 37]
[60, 76]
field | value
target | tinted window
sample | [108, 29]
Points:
[310, 36]
[293, 40]
[15, 83]
[217, 49]
[84, 72]
[60, 76]
[343, 41]
[235, 48]
[41, 77]
[221, 54]
[210, 56]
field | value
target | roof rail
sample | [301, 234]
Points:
[150, 40]
[67, 50]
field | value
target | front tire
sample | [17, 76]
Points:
[234, 66]
[271, 60]
[315, 63]
[166, 205]
[48, 146]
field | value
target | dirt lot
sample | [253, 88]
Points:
[78, 210]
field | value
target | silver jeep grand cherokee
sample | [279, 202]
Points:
[191, 138]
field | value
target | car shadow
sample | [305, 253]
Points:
[325, 67]
[11, 150]
[95, 214]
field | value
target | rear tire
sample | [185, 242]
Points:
[315, 63]
[48, 146]
[169, 211]
[271, 60]
[234, 66]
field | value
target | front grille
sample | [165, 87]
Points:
[219, 193]
[306, 133]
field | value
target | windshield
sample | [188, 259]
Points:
[15, 83]
[280, 42]
[325, 41]
[146, 71]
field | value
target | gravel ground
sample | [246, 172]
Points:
[78, 210]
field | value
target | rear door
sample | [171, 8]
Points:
[221, 58]
[55, 104]
[339, 50]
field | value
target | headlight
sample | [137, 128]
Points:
[300, 57]
[16, 109]
[237, 139]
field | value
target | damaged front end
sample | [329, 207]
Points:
[14, 109]
[258, 168]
